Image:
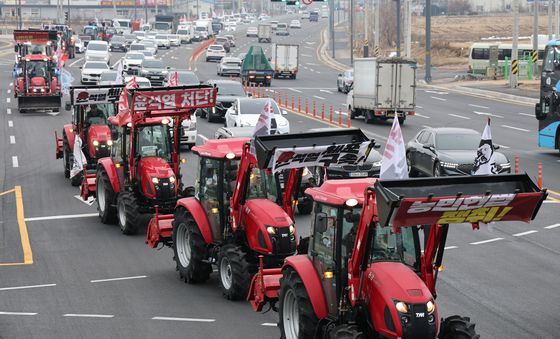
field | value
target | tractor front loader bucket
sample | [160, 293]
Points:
[453, 200]
[59, 146]
[39, 103]
[160, 230]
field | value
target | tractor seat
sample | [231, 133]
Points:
[38, 81]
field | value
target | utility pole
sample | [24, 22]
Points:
[146, 11]
[352, 33]
[20, 22]
[535, 35]
[366, 26]
[428, 57]
[377, 26]
[515, 36]
[549, 19]
[68, 9]
[398, 27]
[331, 26]
[557, 19]
[408, 29]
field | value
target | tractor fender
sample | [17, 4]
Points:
[109, 167]
[308, 274]
[54, 84]
[193, 206]
[70, 133]
[20, 86]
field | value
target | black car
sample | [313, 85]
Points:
[447, 151]
[222, 40]
[228, 92]
[118, 43]
[154, 70]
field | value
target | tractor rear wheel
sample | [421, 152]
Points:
[235, 272]
[105, 198]
[346, 332]
[189, 249]
[127, 210]
[297, 317]
[457, 327]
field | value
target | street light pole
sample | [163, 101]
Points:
[398, 27]
[535, 35]
[352, 32]
[146, 10]
[428, 57]
[515, 34]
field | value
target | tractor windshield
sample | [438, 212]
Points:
[262, 185]
[389, 246]
[37, 69]
[154, 141]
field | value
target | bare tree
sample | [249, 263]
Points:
[388, 20]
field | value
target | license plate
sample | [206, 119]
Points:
[358, 174]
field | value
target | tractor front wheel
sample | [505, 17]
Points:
[189, 249]
[457, 327]
[105, 198]
[235, 272]
[297, 317]
[127, 210]
[346, 332]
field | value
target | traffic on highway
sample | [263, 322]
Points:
[219, 176]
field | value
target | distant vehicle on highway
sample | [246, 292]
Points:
[446, 151]
[229, 66]
[150, 45]
[295, 24]
[79, 45]
[163, 41]
[97, 50]
[117, 42]
[136, 47]
[140, 81]
[313, 16]
[228, 92]
[345, 80]
[282, 29]
[155, 70]
[185, 35]
[252, 32]
[174, 39]
[231, 39]
[148, 54]
[132, 62]
[222, 40]
[91, 71]
[246, 111]
[274, 24]
[108, 78]
[230, 26]
[184, 78]
[140, 35]
[264, 33]
[304, 15]
[129, 39]
[215, 52]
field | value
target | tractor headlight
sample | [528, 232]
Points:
[95, 143]
[109, 142]
[271, 230]
[377, 164]
[292, 230]
[305, 172]
[172, 179]
[401, 307]
[430, 307]
[506, 165]
[449, 164]
[155, 180]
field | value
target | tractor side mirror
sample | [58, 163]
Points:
[189, 191]
[429, 147]
[16, 48]
[496, 146]
[321, 222]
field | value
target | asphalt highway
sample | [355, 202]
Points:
[64, 274]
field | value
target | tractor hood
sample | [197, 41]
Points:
[268, 213]
[398, 282]
[97, 143]
[157, 178]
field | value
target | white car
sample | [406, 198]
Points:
[136, 47]
[163, 41]
[149, 55]
[79, 45]
[252, 32]
[132, 62]
[108, 78]
[140, 81]
[140, 35]
[263, 17]
[246, 111]
[229, 66]
[305, 15]
[274, 25]
[189, 133]
[295, 24]
[231, 40]
[230, 26]
[215, 52]
[91, 71]
[150, 45]
[174, 39]
[97, 50]
[184, 35]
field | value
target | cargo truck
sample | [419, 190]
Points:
[384, 88]
[264, 33]
[164, 24]
[256, 68]
[285, 60]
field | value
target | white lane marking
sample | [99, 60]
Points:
[306, 55]
[527, 115]
[8, 111]
[419, 106]
[450, 247]
[342, 113]
[8, 100]
[12, 139]
[311, 69]
[459, 116]
[436, 92]
[503, 146]
[318, 97]
[270, 324]
[84, 315]
[421, 116]
[524, 233]
[325, 91]
[119, 279]
[199, 320]
[295, 90]
[76, 61]
[18, 313]
[486, 241]
[15, 162]
[308, 47]
[9, 91]
[551, 202]
[67, 216]
[516, 128]
[552, 226]
[10, 123]
[25, 287]
[440, 99]
[478, 106]
[11, 84]
[488, 114]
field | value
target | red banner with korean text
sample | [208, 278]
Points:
[172, 99]
[466, 209]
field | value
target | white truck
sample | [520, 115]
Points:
[383, 88]
[202, 30]
[122, 26]
[285, 60]
[264, 33]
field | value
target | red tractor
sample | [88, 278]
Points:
[92, 107]
[234, 216]
[142, 173]
[37, 86]
[365, 274]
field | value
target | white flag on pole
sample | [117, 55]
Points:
[485, 162]
[393, 163]
[119, 79]
[264, 124]
[79, 158]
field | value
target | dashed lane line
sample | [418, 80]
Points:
[486, 241]
[75, 62]
[478, 106]
[318, 97]
[552, 226]
[199, 320]
[12, 139]
[15, 162]
[25, 287]
[421, 116]
[58, 217]
[8, 111]
[85, 315]
[295, 90]
[450, 247]
[8, 100]
[325, 91]
[119, 279]
[270, 324]
[18, 313]
[459, 116]
[527, 115]
[438, 98]
[488, 114]
[10, 123]
[524, 233]
[516, 128]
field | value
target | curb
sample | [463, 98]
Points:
[483, 93]
[325, 58]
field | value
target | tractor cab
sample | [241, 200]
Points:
[91, 31]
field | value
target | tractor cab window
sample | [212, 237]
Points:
[120, 145]
[209, 193]
[350, 222]
[94, 115]
[551, 59]
[262, 184]
[38, 49]
[37, 69]
[324, 242]
[153, 141]
[230, 177]
[389, 246]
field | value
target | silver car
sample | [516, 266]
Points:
[229, 66]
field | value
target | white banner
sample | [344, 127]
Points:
[93, 95]
[393, 163]
[485, 162]
[323, 156]
[79, 158]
